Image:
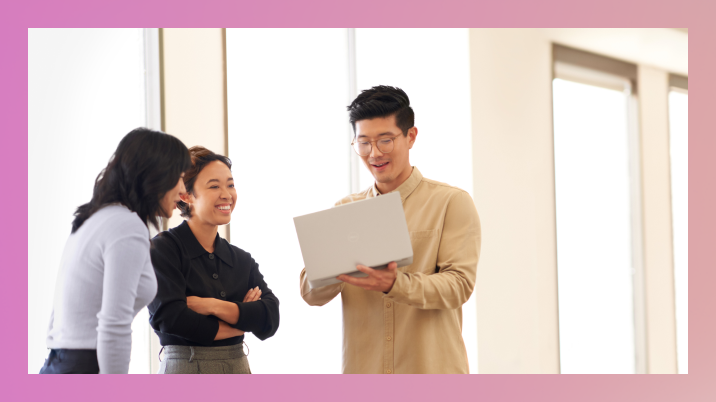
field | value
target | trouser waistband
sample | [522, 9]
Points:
[203, 352]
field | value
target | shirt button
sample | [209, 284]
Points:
[223, 294]
[388, 338]
[211, 256]
[215, 276]
[387, 305]
[388, 371]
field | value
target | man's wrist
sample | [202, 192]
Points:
[391, 286]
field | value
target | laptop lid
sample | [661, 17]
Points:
[372, 232]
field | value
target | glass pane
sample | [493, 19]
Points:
[287, 97]
[679, 135]
[86, 91]
[408, 59]
[591, 153]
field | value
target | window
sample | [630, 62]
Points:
[101, 73]
[287, 93]
[594, 184]
[679, 144]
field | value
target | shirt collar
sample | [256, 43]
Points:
[406, 188]
[195, 249]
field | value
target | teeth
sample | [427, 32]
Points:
[380, 164]
[225, 207]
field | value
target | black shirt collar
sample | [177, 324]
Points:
[194, 249]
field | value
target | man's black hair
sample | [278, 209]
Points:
[383, 101]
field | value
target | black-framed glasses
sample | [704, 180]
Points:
[364, 147]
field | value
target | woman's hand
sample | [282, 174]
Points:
[253, 295]
[201, 305]
[226, 331]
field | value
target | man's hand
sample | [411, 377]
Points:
[380, 280]
[202, 305]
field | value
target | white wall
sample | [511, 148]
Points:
[658, 245]
[511, 75]
[193, 91]
[516, 290]
[85, 92]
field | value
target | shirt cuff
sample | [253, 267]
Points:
[397, 292]
[206, 331]
[252, 316]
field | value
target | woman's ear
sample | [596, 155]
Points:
[187, 197]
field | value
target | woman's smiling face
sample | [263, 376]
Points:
[214, 196]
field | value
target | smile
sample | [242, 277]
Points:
[224, 208]
[381, 166]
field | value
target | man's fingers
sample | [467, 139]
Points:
[348, 279]
[393, 266]
[364, 269]
[361, 282]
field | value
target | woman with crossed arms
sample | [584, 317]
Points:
[209, 292]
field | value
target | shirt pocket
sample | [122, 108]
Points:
[425, 251]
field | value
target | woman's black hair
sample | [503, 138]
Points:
[200, 157]
[144, 167]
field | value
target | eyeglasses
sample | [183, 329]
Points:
[364, 147]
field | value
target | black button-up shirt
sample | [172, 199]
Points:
[184, 268]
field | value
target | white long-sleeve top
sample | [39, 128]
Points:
[105, 278]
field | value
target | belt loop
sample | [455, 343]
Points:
[247, 348]
[192, 354]
[160, 354]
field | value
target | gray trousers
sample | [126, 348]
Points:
[204, 360]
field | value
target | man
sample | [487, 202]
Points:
[409, 319]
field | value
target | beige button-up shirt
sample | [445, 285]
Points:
[417, 326]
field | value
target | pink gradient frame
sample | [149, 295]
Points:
[696, 15]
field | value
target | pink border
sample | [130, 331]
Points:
[697, 15]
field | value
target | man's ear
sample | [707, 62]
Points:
[412, 135]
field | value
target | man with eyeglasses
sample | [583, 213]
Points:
[409, 319]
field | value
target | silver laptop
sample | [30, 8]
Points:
[370, 232]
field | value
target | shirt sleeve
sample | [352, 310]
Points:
[458, 253]
[318, 296]
[169, 312]
[124, 260]
[262, 316]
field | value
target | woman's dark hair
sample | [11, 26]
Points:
[383, 101]
[200, 157]
[144, 167]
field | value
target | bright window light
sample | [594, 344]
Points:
[679, 139]
[594, 255]
[408, 59]
[85, 92]
[287, 97]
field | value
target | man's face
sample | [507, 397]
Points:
[389, 169]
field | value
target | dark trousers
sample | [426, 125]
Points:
[71, 361]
